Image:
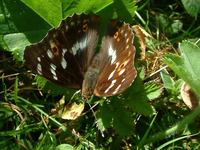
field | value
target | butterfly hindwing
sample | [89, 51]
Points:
[117, 72]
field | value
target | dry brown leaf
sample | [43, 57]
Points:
[188, 96]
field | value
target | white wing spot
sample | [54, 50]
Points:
[125, 34]
[117, 65]
[112, 53]
[75, 48]
[53, 67]
[39, 59]
[39, 68]
[111, 85]
[66, 27]
[64, 51]
[49, 54]
[127, 46]
[79, 45]
[127, 40]
[72, 23]
[111, 75]
[121, 71]
[122, 31]
[53, 71]
[117, 89]
[83, 43]
[55, 77]
[63, 63]
[123, 80]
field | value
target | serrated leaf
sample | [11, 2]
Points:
[187, 65]
[192, 6]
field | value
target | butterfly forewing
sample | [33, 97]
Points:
[117, 72]
[65, 53]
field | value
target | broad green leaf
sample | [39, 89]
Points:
[192, 6]
[19, 18]
[17, 42]
[20, 33]
[74, 6]
[49, 10]
[187, 65]
[52, 11]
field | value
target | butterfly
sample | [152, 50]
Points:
[74, 55]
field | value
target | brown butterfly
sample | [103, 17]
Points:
[70, 56]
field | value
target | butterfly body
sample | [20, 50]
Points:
[70, 56]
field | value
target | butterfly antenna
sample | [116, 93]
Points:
[91, 108]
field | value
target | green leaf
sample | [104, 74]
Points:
[48, 141]
[74, 6]
[49, 10]
[187, 65]
[169, 25]
[64, 147]
[52, 88]
[114, 114]
[192, 6]
[17, 18]
[104, 116]
[125, 9]
[137, 98]
[16, 43]
[52, 11]
[122, 121]
[20, 33]
[167, 80]
[2, 43]
[152, 90]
